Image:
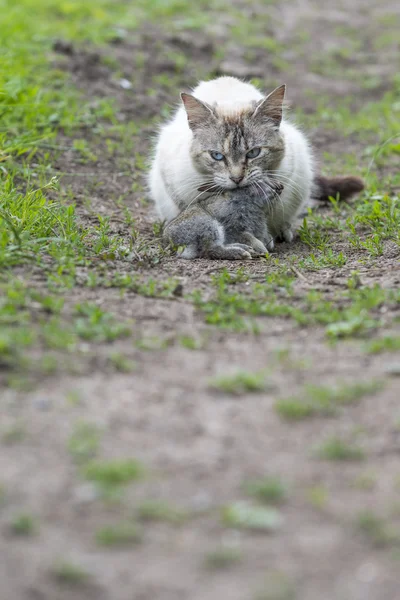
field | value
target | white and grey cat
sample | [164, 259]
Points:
[228, 135]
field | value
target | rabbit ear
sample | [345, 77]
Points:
[271, 107]
[197, 111]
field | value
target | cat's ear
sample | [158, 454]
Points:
[271, 107]
[197, 111]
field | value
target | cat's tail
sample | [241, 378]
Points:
[331, 187]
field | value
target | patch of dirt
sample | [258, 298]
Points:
[199, 445]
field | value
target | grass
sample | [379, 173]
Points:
[240, 383]
[323, 401]
[223, 558]
[84, 442]
[157, 510]
[336, 449]
[269, 490]
[387, 343]
[70, 574]
[122, 534]
[23, 525]
[113, 473]
[242, 515]
[380, 533]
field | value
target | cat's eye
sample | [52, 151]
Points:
[217, 155]
[253, 153]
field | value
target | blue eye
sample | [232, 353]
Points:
[253, 153]
[217, 155]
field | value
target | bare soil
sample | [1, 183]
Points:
[198, 445]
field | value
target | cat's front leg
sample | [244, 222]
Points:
[257, 246]
[285, 234]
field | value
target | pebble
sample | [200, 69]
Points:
[125, 84]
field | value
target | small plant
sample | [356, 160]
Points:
[377, 530]
[69, 573]
[240, 383]
[84, 442]
[121, 363]
[113, 473]
[119, 535]
[385, 344]
[245, 516]
[23, 525]
[269, 490]
[324, 401]
[222, 558]
[156, 510]
[337, 449]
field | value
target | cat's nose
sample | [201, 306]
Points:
[237, 180]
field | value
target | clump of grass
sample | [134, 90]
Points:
[245, 516]
[388, 343]
[377, 530]
[108, 474]
[190, 342]
[269, 490]
[323, 400]
[156, 510]
[23, 525]
[222, 558]
[84, 442]
[121, 363]
[240, 383]
[122, 534]
[71, 574]
[336, 449]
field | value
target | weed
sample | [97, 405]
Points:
[156, 510]
[84, 442]
[222, 558]
[23, 525]
[121, 534]
[121, 363]
[269, 490]
[113, 473]
[337, 449]
[240, 383]
[245, 516]
[324, 401]
[377, 530]
[385, 344]
[69, 573]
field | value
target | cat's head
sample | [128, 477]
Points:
[235, 148]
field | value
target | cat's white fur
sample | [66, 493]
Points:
[175, 181]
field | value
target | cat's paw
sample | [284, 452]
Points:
[277, 186]
[238, 252]
[286, 235]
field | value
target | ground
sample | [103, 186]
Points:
[192, 429]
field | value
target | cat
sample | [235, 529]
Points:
[228, 135]
[229, 225]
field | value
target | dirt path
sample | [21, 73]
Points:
[323, 520]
